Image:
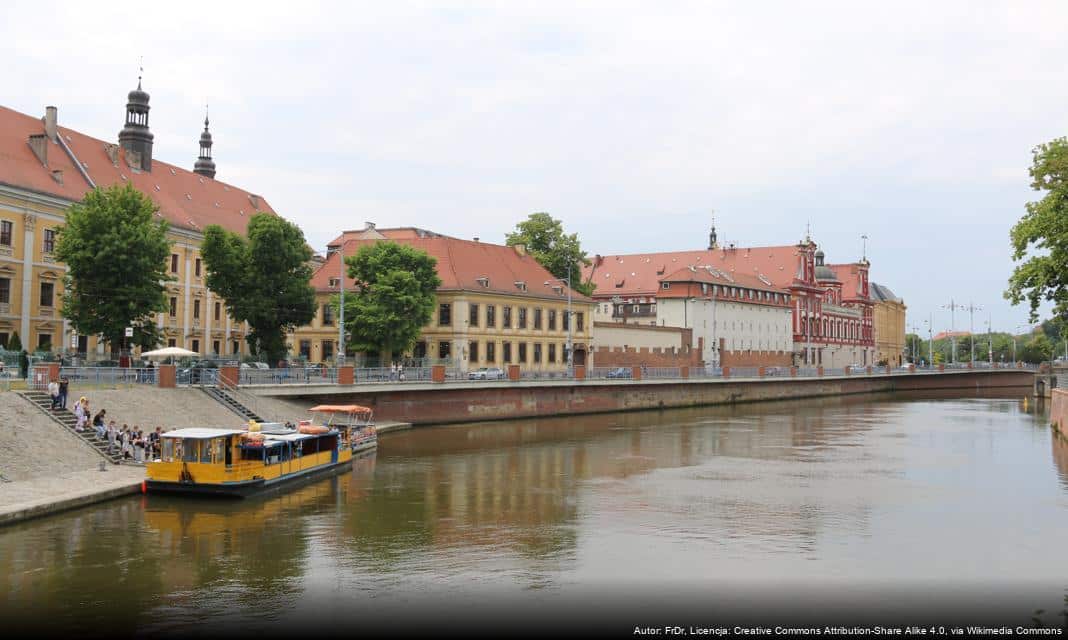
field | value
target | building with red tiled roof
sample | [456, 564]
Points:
[45, 167]
[782, 300]
[496, 305]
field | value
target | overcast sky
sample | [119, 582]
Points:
[912, 123]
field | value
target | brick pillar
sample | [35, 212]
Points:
[969, 365]
[761, 371]
[346, 374]
[793, 372]
[726, 372]
[942, 367]
[684, 372]
[168, 377]
[888, 368]
[437, 373]
[229, 376]
[636, 373]
[580, 372]
[513, 372]
[867, 370]
[849, 371]
[819, 371]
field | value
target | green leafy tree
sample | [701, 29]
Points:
[264, 278]
[546, 241]
[1038, 349]
[1043, 233]
[116, 251]
[394, 297]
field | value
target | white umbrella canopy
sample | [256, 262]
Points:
[169, 352]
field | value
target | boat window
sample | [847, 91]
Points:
[205, 451]
[298, 448]
[192, 450]
[168, 449]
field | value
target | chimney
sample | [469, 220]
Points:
[255, 200]
[51, 123]
[39, 143]
[521, 249]
[367, 226]
[476, 238]
[597, 260]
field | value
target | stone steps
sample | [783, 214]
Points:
[66, 419]
[232, 404]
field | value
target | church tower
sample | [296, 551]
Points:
[205, 166]
[135, 137]
[712, 244]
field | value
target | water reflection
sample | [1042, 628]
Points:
[831, 490]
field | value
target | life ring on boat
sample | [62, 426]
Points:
[312, 429]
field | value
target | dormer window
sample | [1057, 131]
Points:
[665, 286]
[484, 281]
[333, 282]
[519, 284]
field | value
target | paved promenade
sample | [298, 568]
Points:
[43, 495]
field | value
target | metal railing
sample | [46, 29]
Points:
[106, 377]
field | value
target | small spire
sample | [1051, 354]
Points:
[205, 117]
[140, 71]
[808, 235]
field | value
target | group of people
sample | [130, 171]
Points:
[131, 443]
[396, 372]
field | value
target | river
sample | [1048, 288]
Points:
[894, 506]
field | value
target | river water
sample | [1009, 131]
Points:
[889, 505]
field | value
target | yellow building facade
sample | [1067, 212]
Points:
[496, 307]
[889, 326]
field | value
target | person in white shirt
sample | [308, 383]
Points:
[53, 391]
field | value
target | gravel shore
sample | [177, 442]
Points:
[31, 445]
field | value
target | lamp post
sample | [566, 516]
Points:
[341, 304]
[930, 340]
[972, 308]
[952, 306]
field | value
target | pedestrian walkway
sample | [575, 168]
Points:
[25, 499]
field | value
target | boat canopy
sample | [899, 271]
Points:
[200, 433]
[340, 408]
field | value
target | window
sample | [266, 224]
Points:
[215, 347]
[196, 346]
[537, 352]
[444, 314]
[5, 232]
[506, 318]
[328, 350]
[522, 352]
[472, 315]
[5, 290]
[522, 323]
[472, 351]
[506, 348]
[305, 349]
[174, 263]
[236, 346]
[580, 321]
[491, 316]
[44, 341]
[48, 291]
[171, 342]
[665, 286]
[196, 268]
[537, 319]
[196, 312]
[174, 307]
[552, 319]
[491, 353]
[567, 318]
[218, 309]
[443, 349]
[328, 315]
[49, 240]
[3, 339]
[552, 353]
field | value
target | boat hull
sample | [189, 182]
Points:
[245, 488]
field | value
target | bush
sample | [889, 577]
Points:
[14, 343]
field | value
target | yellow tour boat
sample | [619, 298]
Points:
[234, 462]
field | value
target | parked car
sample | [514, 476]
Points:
[619, 372]
[200, 371]
[484, 373]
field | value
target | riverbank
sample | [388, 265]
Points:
[43, 496]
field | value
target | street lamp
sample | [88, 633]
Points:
[570, 320]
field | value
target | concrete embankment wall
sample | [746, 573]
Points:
[435, 404]
[1058, 411]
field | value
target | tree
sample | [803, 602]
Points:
[546, 241]
[1038, 349]
[394, 296]
[116, 251]
[1044, 277]
[14, 343]
[264, 278]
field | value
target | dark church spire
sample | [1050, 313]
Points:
[712, 244]
[205, 166]
[135, 136]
